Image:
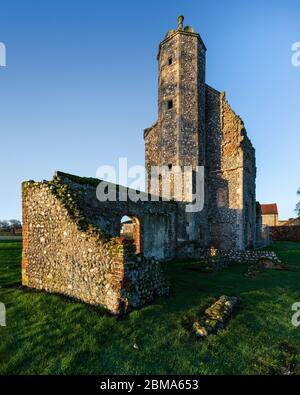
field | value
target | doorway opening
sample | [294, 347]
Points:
[130, 229]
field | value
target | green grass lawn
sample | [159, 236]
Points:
[49, 334]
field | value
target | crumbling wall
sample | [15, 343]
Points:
[151, 138]
[64, 251]
[60, 256]
[157, 218]
[230, 160]
[224, 161]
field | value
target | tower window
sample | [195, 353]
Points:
[169, 104]
[170, 167]
[170, 61]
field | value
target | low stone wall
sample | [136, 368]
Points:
[285, 233]
[249, 257]
[143, 281]
[64, 253]
[230, 256]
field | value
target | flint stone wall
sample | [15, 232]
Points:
[178, 137]
[157, 218]
[249, 257]
[231, 169]
[70, 238]
[202, 129]
[71, 245]
[64, 252]
[230, 256]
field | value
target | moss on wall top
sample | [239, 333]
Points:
[94, 182]
[77, 179]
[68, 198]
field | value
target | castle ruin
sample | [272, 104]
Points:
[197, 127]
[71, 239]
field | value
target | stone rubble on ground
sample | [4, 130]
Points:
[256, 268]
[215, 317]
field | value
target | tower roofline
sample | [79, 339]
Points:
[176, 32]
[188, 31]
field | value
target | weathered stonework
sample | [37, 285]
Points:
[223, 258]
[66, 251]
[231, 169]
[71, 239]
[215, 317]
[201, 129]
[178, 137]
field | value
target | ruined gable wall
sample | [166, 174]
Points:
[239, 141]
[59, 257]
[64, 252]
[231, 166]
[151, 139]
[224, 159]
[232, 155]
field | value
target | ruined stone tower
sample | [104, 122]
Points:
[178, 137]
[197, 127]
[181, 99]
[71, 239]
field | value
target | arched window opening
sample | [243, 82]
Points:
[130, 229]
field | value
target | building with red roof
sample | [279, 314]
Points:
[269, 214]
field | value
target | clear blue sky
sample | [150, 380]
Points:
[81, 85]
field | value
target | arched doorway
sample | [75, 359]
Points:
[130, 229]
